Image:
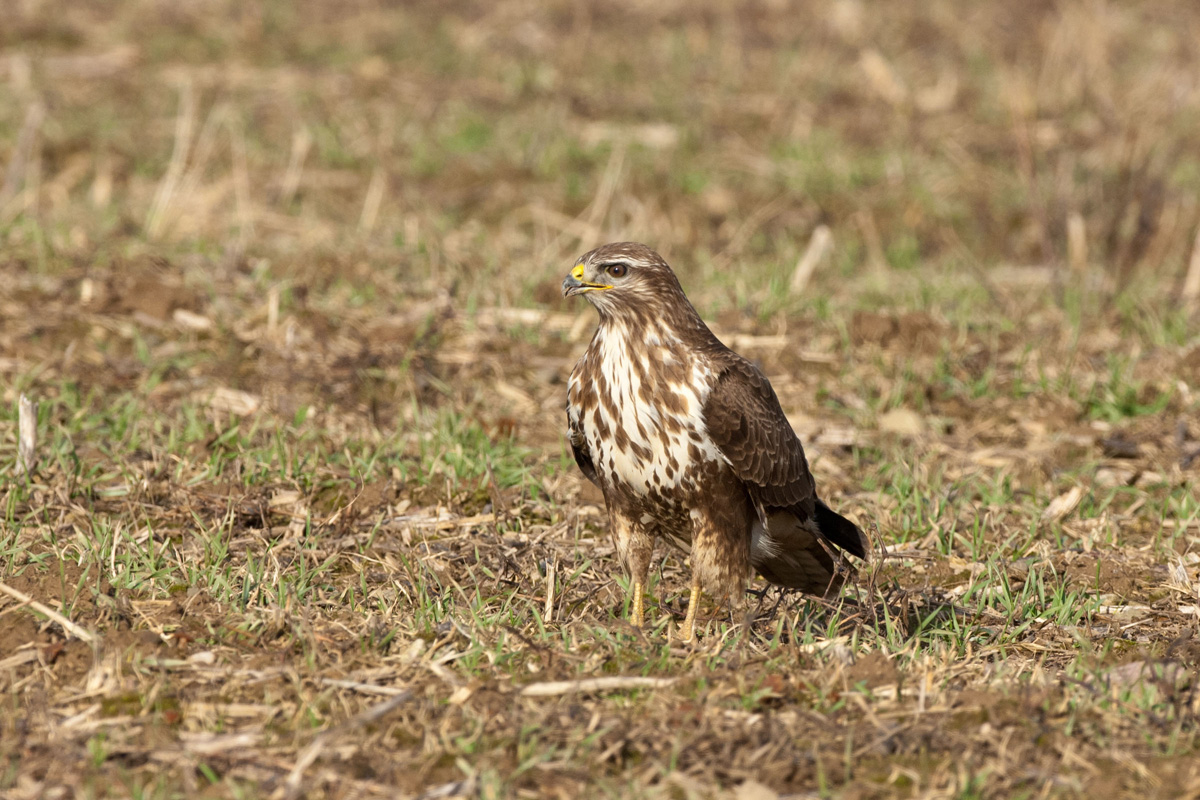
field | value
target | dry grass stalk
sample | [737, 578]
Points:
[18, 68]
[750, 226]
[26, 435]
[185, 123]
[876, 255]
[548, 612]
[609, 180]
[1191, 283]
[241, 182]
[613, 684]
[365, 688]
[17, 172]
[372, 201]
[586, 228]
[1064, 504]
[882, 77]
[93, 66]
[272, 308]
[101, 191]
[191, 186]
[1077, 254]
[819, 248]
[302, 141]
[70, 627]
[14, 661]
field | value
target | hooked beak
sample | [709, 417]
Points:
[574, 283]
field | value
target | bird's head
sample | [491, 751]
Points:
[622, 277]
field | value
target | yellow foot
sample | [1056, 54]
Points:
[638, 616]
[687, 632]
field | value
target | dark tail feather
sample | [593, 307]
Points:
[841, 531]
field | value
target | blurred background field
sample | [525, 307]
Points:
[284, 280]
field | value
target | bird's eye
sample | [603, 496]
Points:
[616, 270]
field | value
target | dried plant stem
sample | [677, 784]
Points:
[819, 246]
[185, 123]
[373, 200]
[617, 683]
[364, 688]
[589, 223]
[18, 167]
[27, 436]
[302, 141]
[548, 614]
[1191, 283]
[608, 186]
[243, 206]
[206, 142]
[70, 627]
[876, 255]
[1077, 254]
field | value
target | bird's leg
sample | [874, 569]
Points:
[689, 622]
[779, 602]
[634, 547]
[637, 615]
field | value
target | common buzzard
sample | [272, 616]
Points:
[687, 441]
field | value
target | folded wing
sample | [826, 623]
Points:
[790, 541]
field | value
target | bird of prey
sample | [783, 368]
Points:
[687, 441]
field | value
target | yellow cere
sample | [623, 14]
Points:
[577, 273]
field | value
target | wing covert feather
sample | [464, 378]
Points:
[748, 426]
